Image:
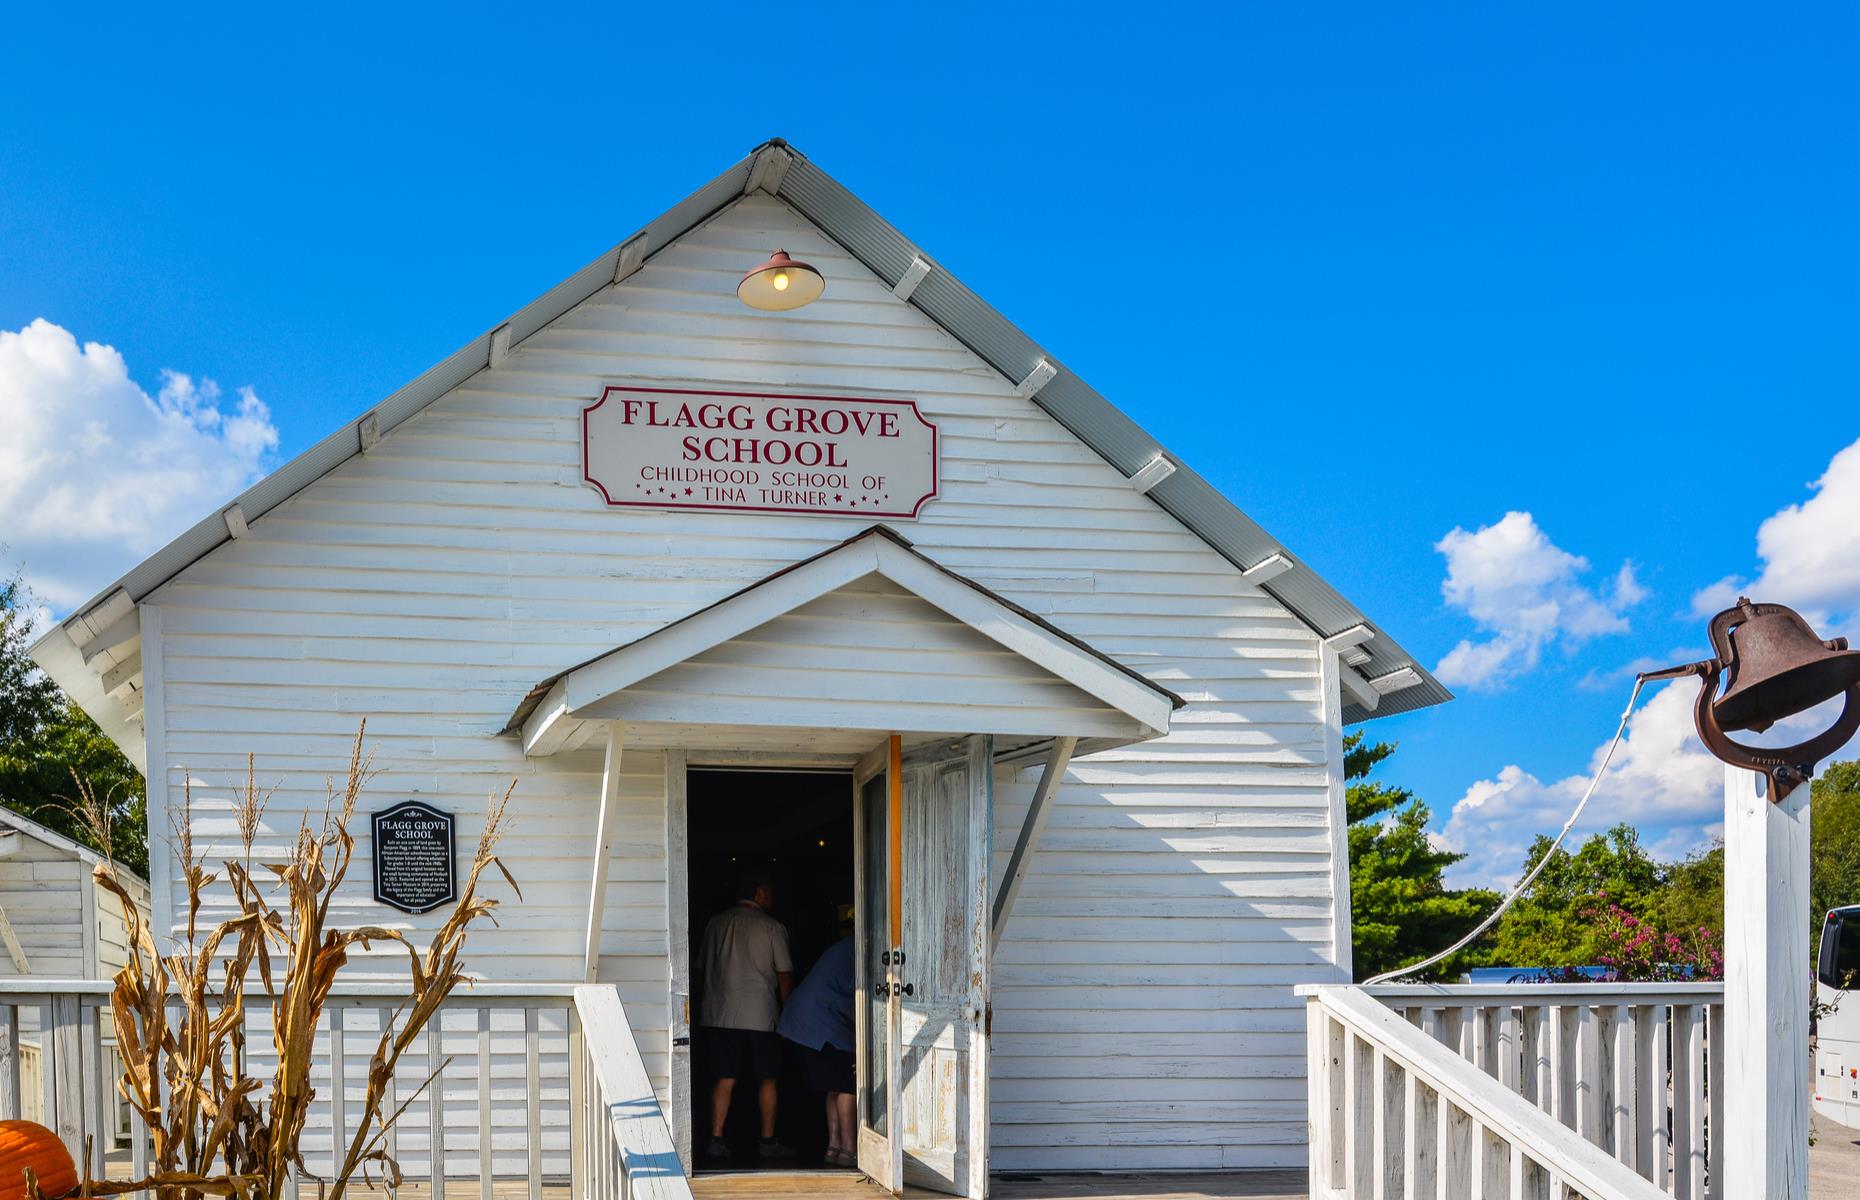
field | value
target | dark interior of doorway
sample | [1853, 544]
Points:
[799, 826]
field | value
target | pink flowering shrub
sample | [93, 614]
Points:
[1644, 953]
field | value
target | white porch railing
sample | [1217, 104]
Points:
[1531, 1090]
[629, 1147]
[537, 1086]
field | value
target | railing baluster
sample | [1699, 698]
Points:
[1527, 1054]
[1563, 1062]
[1715, 1133]
[64, 1073]
[1694, 1164]
[1660, 1066]
[1543, 1041]
[1486, 1029]
[1321, 1096]
[485, 1161]
[532, 1074]
[1335, 1135]
[1621, 1063]
[1685, 1084]
[338, 1088]
[436, 1102]
[386, 1017]
[578, 1101]
[90, 1086]
[9, 1063]
[1505, 1022]
[138, 1146]
[1411, 1138]
[1387, 1126]
[1588, 1073]
[1457, 1132]
[1356, 1132]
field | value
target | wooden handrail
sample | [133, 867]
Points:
[1568, 1157]
[639, 1150]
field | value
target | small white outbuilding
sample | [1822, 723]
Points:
[876, 582]
[55, 922]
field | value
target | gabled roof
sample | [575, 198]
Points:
[1380, 677]
[877, 550]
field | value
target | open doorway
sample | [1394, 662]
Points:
[794, 829]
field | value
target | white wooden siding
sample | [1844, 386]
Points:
[1183, 886]
[42, 890]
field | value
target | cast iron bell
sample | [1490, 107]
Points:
[1777, 668]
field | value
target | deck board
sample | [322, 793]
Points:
[804, 1185]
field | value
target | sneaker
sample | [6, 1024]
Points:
[717, 1148]
[769, 1147]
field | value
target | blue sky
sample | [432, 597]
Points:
[1380, 273]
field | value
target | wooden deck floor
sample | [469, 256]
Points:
[840, 1185]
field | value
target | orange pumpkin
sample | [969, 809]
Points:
[28, 1144]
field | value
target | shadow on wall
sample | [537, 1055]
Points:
[1204, 898]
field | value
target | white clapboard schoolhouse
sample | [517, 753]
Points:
[875, 578]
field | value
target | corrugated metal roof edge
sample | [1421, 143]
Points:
[888, 253]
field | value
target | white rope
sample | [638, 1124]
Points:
[1526, 882]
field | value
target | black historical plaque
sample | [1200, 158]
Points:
[413, 857]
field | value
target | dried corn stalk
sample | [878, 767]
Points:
[180, 1017]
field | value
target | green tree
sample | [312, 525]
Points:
[28, 699]
[44, 739]
[1401, 909]
[1553, 924]
[1834, 841]
[1693, 895]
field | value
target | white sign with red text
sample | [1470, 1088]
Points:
[759, 452]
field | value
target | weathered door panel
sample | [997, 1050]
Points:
[942, 1111]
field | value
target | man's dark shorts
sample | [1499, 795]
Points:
[827, 1069]
[751, 1054]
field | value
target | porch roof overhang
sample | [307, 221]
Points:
[1087, 694]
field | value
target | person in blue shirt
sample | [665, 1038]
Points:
[818, 1020]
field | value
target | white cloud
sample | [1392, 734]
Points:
[1810, 553]
[1522, 591]
[1661, 780]
[95, 473]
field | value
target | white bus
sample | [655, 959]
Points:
[1837, 1046]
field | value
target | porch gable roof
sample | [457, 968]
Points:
[541, 714]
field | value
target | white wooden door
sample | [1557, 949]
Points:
[877, 1014]
[941, 1114]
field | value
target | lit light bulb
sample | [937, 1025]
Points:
[780, 281]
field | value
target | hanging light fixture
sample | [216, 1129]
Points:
[780, 284]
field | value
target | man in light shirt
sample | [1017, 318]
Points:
[744, 976]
